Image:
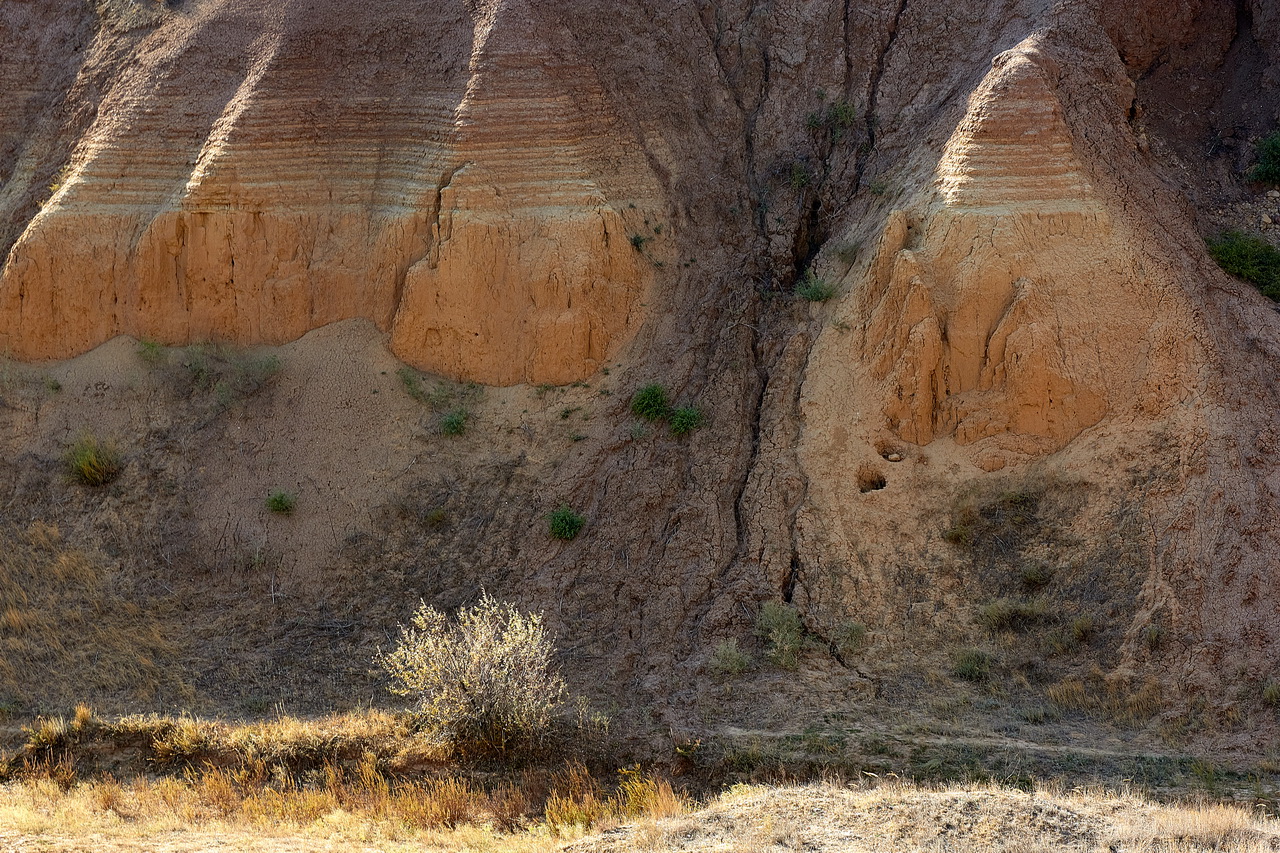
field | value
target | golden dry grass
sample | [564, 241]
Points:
[1118, 702]
[370, 776]
[64, 618]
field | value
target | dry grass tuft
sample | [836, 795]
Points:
[1121, 702]
[1211, 826]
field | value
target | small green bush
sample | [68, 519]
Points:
[564, 523]
[1267, 170]
[92, 462]
[728, 659]
[454, 422]
[651, 403]
[1271, 694]
[780, 627]
[281, 502]
[842, 115]
[814, 288]
[971, 665]
[1250, 258]
[685, 420]
[837, 119]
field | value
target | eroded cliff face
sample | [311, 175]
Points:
[448, 172]
[521, 192]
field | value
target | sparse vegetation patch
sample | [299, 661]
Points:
[685, 420]
[454, 422]
[728, 659]
[228, 373]
[850, 638]
[998, 518]
[1011, 614]
[1267, 169]
[92, 461]
[814, 288]
[1117, 701]
[779, 626]
[1249, 257]
[971, 665]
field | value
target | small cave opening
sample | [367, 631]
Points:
[870, 479]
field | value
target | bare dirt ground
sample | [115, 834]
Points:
[827, 818]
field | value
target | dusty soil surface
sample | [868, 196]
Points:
[833, 819]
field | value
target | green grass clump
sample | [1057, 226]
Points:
[92, 462]
[1035, 575]
[1271, 694]
[454, 422]
[152, 352]
[651, 403]
[281, 502]
[1250, 258]
[564, 523]
[800, 177]
[849, 638]
[1011, 614]
[686, 419]
[814, 288]
[1083, 628]
[413, 384]
[971, 665]
[780, 627]
[1267, 170]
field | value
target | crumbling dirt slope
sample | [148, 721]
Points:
[1030, 383]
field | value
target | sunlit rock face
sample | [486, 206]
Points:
[255, 171]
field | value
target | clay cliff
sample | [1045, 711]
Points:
[1006, 199]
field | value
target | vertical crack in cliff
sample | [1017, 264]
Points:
[757, 409]
[750, 44]
[434, 236]
[873, 96]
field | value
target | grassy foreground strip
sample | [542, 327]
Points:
[372, 777]
[172, 814]
[381, 780]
